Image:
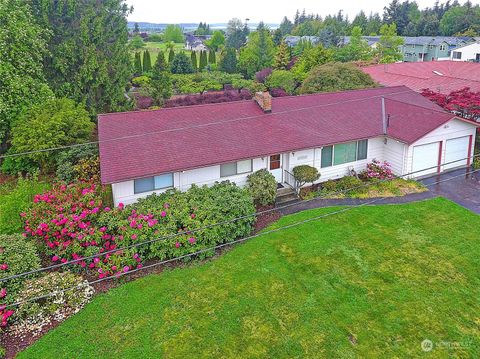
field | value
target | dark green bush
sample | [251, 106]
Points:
[262, 187]
[20, 255]
[68, 160]
[198, 207]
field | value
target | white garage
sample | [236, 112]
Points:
[425, 159]
[456, 151]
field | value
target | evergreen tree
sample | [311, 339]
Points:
[171, 55]
[193, 57]
[286, 26]
[212, 57]
[136, 29]
[228, 61]
[203, 60]
[181, 64]
[160, 88]
[138, 64]
[282, 58]
[88, 57]
[277, 37]
[147, 62]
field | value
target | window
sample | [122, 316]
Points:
[443, 47]
[274, 162]
[327, 156]
[152, 183]
[235, 168]
[344, 153]
[362, 149]
[457, 55]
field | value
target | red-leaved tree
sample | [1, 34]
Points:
[464, 103]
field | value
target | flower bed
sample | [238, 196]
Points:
[376, 181]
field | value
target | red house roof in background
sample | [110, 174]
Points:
[145, 143]
[438, 76]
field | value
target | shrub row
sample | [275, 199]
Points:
[72, 222]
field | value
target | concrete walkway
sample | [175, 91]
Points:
[320, 202]
[464, 190]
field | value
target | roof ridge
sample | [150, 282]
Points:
[173, 108]
[440, 110]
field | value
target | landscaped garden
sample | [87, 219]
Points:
[369, 282]
[377, 180]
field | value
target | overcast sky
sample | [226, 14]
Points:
[212, 11]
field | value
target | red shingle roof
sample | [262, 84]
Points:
[175, 139]
[439, 76]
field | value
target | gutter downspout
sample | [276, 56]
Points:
[384, 117]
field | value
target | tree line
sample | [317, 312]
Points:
[446, 18]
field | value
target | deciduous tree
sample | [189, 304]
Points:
[336, 77]
[54, 123]
[174, 33]
[388, 48]
[22, 80]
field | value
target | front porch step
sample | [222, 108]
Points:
[285, 196]
[285, 191]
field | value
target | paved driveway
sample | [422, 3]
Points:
[464, 189]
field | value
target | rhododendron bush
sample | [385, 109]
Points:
[378, 170]
[71, 223]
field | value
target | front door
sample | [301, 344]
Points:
[275, 166]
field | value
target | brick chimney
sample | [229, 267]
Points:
[264, 100]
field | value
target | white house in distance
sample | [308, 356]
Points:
[144, 152]
[470, 52]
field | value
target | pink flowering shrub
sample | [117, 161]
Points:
[71, 223]
[377, 170]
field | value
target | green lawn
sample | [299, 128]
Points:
[370, 282]
[155, 47]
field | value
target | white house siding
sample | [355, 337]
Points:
[469, 52]
[394, 153]
[399, 155]
[453, 129]
[313, 157]
[123, 192]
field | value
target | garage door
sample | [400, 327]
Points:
[425, 159]
[456, 150]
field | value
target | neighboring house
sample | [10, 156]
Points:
[195, 43]
[292, 41]
[470, 52]
[145, 152]
[439, 76]
[429, 48]
[372, 41]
